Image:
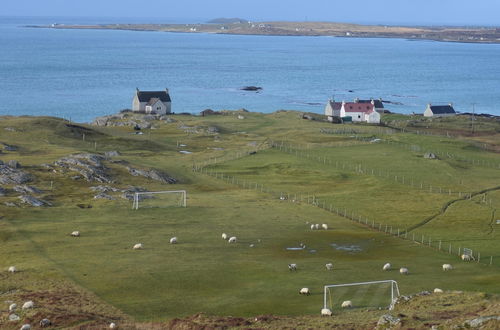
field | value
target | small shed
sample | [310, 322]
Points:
[439, 110]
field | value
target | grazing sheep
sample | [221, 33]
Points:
[45, 323]
[387, 266]
[12, 269]
[325, 226]
[447, 267]
[347, 304]
[112, 325]
[232, 239]
[466, 257]
[305, 291]
[26, 327]
[138, 246]
[28, 305]
[76, 233]
[173, 240]
[437, 290]
[224, 236]
[316, 226]
[12, 307]
[313, 227]
[329, 266]
[326, 312]
[292, 266]
[403, 271]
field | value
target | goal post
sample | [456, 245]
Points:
[362, 294]
[139, 196]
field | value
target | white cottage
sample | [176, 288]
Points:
[358, 111]
[155, 102]
[439, 110]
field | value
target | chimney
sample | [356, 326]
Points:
[451, 104]
[137, 89]
[166, 90]
[356, 100]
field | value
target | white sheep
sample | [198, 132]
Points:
[447, 267]
[232, 239]
[26, 327]
[45, 323]
[12, 269]
[224, 236]
[305, 291]
[112, 325]
[326, 312]
[437, 290]
[292, 266]
[466, 257]
[329, 266]
[347, 304]
[403, 271]
[324, 226]
[28, 305]
[173, 240]
[316, 226]
[12, 307]
[313, 227]
[76, 233]
[138, 246]
[387, 266]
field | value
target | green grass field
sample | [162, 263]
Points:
[203, 273]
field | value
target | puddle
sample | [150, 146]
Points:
[185, 152]
[294, 248]
[312, 251]
[348, 248]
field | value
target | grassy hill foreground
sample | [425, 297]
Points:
[264, 178]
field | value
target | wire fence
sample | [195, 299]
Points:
[364, 170]
[422, 239]
[411, 147]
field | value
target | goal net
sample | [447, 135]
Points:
[154, 199]
[376, 294]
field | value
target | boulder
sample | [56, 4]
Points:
[480, 321]
[387, 320]
[430, 155]
[25, 189]
[13, 164]
[152, 174]
[112, 153]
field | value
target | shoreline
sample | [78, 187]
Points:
[480, 35]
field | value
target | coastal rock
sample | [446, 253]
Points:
[10, 175]
[90, 166]
[33, 201]
[251, 88]
[152, 174]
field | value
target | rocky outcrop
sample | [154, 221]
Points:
[113, 153]
[387, 320]
[13, 175]
[104, 196]
[480, 321]
[89, 166]
[25, 189]
[33, 201]
[152, 174]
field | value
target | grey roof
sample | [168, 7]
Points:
[146, 96]
[377, 103]
[440, 109]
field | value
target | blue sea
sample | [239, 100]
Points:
[81, 74]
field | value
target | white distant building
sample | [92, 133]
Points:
[154, 102]
[357, 111]
[439, 110]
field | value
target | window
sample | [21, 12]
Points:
[359, 116]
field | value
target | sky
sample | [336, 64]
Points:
[395, 12]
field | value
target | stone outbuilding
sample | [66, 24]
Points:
[439, 110]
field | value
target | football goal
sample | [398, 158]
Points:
[376, 294]
[150, 199]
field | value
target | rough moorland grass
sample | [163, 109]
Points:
[203, 273]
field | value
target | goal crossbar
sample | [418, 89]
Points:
[135, 205]
[394, 288]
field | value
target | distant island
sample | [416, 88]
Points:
[243, 27]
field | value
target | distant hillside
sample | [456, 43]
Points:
[224, 20]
